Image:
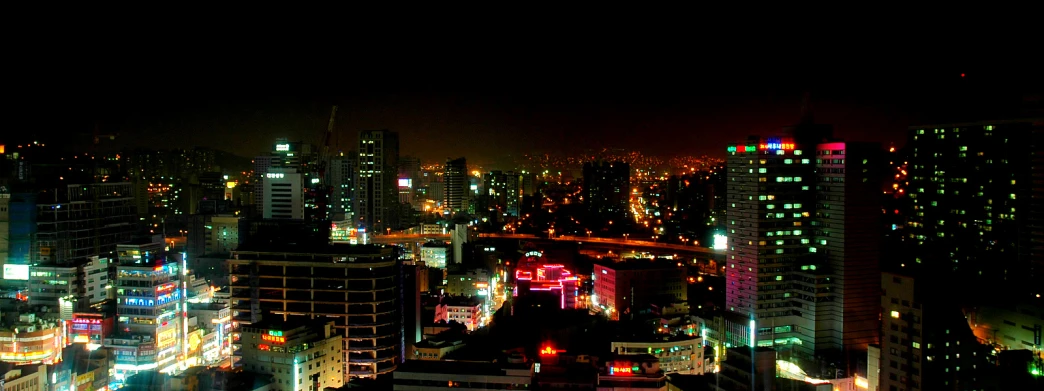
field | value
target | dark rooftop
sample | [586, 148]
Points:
[458, 367]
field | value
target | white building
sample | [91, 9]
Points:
[298, 357]
[85, 283]
[283, 194]
[682, 354]
[434, 255]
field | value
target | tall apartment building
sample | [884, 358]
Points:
[358, 287]
[977, 199]
[341, 177]
[802, 252]
[283, 194]
[456, 179]
[926, 343]
[607, 189]
[376, 189]
[261, 166]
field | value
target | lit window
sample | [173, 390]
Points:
[895, 314]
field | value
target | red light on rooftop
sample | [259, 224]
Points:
[962, 75]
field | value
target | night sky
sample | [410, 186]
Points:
[488, 104]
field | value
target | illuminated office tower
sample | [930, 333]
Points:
[456, 178]
[283, 194]
[801, 257]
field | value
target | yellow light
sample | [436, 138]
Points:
[861, 383]
[895, 314]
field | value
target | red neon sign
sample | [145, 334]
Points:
[615, 370]
[273, 339]
[89, 321]
[264, 347]
[549, 351]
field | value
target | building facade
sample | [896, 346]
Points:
[298, 357]
[356, 286]
[283, 194]
[457, 193]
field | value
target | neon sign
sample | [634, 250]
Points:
[614, 371]
[742, 148]
[282, 147]
[273, 339]
[548, 351]
[776, 144]
[89, 321]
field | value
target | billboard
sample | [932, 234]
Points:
[406, 182]
[16, 272]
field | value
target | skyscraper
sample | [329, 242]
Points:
[456, 179]
[376, 190]
[342, 180]
[283, 194]
[802, 246]
[607, 189]
[976, 199]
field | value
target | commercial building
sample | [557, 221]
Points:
[26, 378]
[926, 343]
[31, 340]
[283, 194]
[802, 247]
[90, 328]
[87, 283]
[435, 348]
[504, 190]
[631, 372]
[376, 181]
[675, 354]
[456, 180]
[80, 221]
[461, 309]
[532, 277]
[434, 254]
[978, 204]
[623, 288]
[355, 285]
[151, 323]
[417, 375]
[342, 179]
[305, 356]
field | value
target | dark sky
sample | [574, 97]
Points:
[561, 96]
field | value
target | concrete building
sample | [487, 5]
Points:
[341, 178]
[27, 339]
[926, 343]
[297, 356]
[676, 354]
[376, 181]
[26, 378]
[434, 254]
[283, 194]
[355, 285]
[464, 310]
[418, 375]
[631, 372]
[623, 288]
[457, 192]
[86, 284]
[803, 244]
[150, 329]
[435, 348]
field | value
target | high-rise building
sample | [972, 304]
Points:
[342, 180]
[504, 191]
[977, 203]
[283, 195]
[457, 192]
[926, 343]
[77, 222]
[607, 190]
[85, 283]
[802, 255]
[376, 188]
[358, 287]
[624, 288]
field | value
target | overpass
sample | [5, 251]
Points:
[623, 242]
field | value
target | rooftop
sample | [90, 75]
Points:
[639, 264]
[458, 367]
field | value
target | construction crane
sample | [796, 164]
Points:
[325, 191]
